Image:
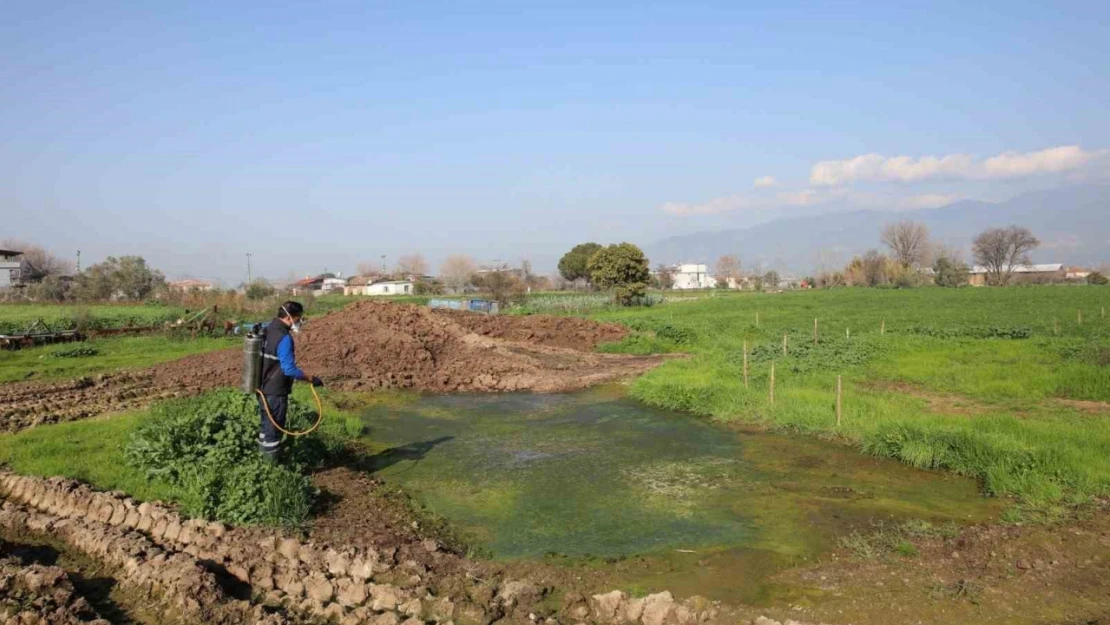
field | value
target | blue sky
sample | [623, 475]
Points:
[323, 134]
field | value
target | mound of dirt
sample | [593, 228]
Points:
[569, 332]
[367, 345]
[382, 345]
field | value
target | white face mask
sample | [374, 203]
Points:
[296, 327]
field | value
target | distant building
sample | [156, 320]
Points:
[310, 284]
[319, 285]
[333, 284]
[190, 285]
[11, 263]
[692, 276]
[392, 287]
[363, 285]
[1052, 272]
[1076, 273]
[358, 285]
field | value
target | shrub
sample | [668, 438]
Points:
[974, 332]
[75, 351]
[208, 446]
[1097, 278]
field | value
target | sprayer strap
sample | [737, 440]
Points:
[269, 357]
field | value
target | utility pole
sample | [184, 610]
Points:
[248, 270]
[383, 264]
[78, 261]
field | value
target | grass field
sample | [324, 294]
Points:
[92, 450]
[16, 317]
[71, 360]
[1005, 385]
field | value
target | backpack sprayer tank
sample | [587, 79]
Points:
[252, 360]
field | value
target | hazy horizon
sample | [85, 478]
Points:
[326, 135]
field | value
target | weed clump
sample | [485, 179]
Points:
[75, 351]
[973, 332]
[207, 446]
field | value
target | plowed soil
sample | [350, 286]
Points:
[367, 345]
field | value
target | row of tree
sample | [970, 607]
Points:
[51, 278]
[912, 253]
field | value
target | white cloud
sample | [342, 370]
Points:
[879, 168]
[764, 181]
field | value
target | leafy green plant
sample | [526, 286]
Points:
[974, 332]
[75, 351]
[207, 446]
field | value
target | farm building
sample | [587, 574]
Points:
[693, 276]
[11, 263]
[190, 285]
[368, 286]
[1053, 272]
[318, 285]
[1076, 273]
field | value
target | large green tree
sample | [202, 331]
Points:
[127, 277]
[623, 268]
[573, 264]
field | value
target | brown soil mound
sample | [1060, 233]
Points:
[569, 332]
[381, 345]
[367, 345]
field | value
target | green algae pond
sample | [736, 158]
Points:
[659, 500]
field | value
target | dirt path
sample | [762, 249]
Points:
[365, 346]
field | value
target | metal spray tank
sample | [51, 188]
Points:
[252, 359]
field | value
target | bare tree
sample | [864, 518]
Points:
[664, 277]
[457, 272]
[370, 269]
[501, 285]
[42, 263]
[999, 250]
[727, 270]
[908, 242]
[412, 265]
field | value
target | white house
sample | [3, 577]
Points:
[11, 263]
[363, 286]
[333, 284]
[693, 276]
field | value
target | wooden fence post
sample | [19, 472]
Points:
[1056, 326]
[784, 344]
[1079, 316]
[772, 383]
[838, 401]
[745, 364]
[847, 333]
[815, 331]
[882, 327]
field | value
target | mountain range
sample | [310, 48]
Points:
[1072, 223]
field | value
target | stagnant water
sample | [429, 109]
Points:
[704, 509]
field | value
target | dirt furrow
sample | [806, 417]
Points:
[198, 571]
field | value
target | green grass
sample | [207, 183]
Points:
[1015, 437]
[114, 353]
[16, 317]
[90, 450]
[93, 450]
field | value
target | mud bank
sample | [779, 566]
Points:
[199, 571]
[365, 346]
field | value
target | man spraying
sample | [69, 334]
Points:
[279, 370]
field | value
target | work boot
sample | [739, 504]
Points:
[271, 456]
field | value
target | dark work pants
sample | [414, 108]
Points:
[269, 438]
